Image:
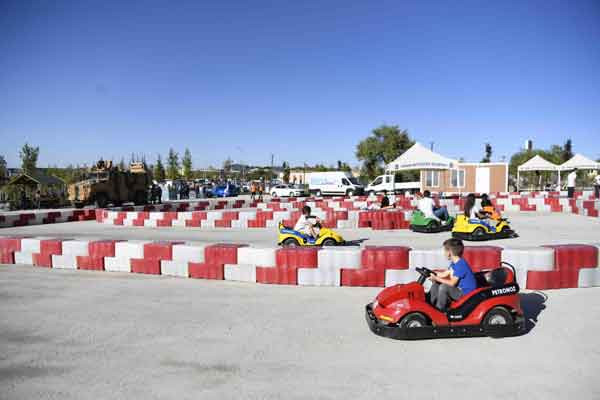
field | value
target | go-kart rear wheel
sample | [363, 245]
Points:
[329, 242]
[290, 242]
[413, 320]
[498, 316]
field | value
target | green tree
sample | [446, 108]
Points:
[159, 170]
[567, 153]
[29, 157]
[488, 153]
[172, 164]
[186, 162]
[383, 146]
[3, 172]
[286, 172]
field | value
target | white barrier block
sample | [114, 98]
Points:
[24, 257]
[428, 258]
[117, 264]
[589, 277]
[240, 272]
[319, 277]
[156, 215]
[205, 223]
[529, 258]
[332, 258]
[188, 253]
[271, 223]
[29, 245]
[264, 257]
[395, 276]
[66, 261]
[174, 268]
[130, 249]
[239, 224]
[151, 223]
[178, 222]
[75, 247]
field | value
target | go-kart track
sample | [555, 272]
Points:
[89, 328]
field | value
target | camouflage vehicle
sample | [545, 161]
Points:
[106, 184]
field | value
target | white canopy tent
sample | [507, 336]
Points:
[537, 163]
[419, 157]
[577, 161]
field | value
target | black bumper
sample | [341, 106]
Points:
[426, 229]
[505, 234]
[432, 332]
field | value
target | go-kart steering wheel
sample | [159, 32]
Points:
[425, 273]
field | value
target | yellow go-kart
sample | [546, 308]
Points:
[479, 230]
[291, 238]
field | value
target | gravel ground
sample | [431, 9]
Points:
[533, 229]
[90, 335]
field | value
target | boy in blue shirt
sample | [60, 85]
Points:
[455, 282]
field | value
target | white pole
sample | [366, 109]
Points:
[518, 183]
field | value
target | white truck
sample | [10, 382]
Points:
[391, 184]
[333, 182]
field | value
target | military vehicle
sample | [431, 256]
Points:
[105, 184]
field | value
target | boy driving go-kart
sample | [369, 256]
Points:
[308, 224]
[455, 282]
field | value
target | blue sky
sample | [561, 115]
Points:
[303, 80]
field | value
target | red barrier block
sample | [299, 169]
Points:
[277, 276]
[51, 246]
[10, 244]
[385, 257]
[145, 266]
[7, 256]
[568, 256]
[297, 258]
[257, 223]
[102, 248]
[483, 257]
[42, 260]
[229, 215]
[222, 253]
[192, 223]
[164, 222]
[206, 271]
[90, 263]
[159, 250]
[363, 277]
[223, 223]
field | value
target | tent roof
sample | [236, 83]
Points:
[36, 178]
[420, 157]
[538, 163]
[581, 162]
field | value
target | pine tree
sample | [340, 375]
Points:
[186, 162]
[172, 164]
[159, 170]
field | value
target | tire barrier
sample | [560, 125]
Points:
[545, 267]
[339, 213]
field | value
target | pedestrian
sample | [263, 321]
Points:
[571, 178]
[597, 185]
[252, 190]
[23, 199]
[38, 199]
[261, 188]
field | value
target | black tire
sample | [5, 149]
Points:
[140, 198]
[329, 242]
[274, 194]
[290, 242]
[479, 232]
[433, 224]
[497, 316]
[371, 193]
[413, 320]
[318, 193]
[350, 192]
[101, 200]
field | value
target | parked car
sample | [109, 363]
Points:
[288, 191]
[225, 191]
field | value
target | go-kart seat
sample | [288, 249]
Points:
[486, 279]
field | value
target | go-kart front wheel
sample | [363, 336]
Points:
[413, 320]
[290, 242]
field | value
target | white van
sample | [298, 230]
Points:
[334, 182]
[391, 183]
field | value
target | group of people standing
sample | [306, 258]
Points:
[257, 188]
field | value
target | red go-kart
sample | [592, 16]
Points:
[493, 309]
